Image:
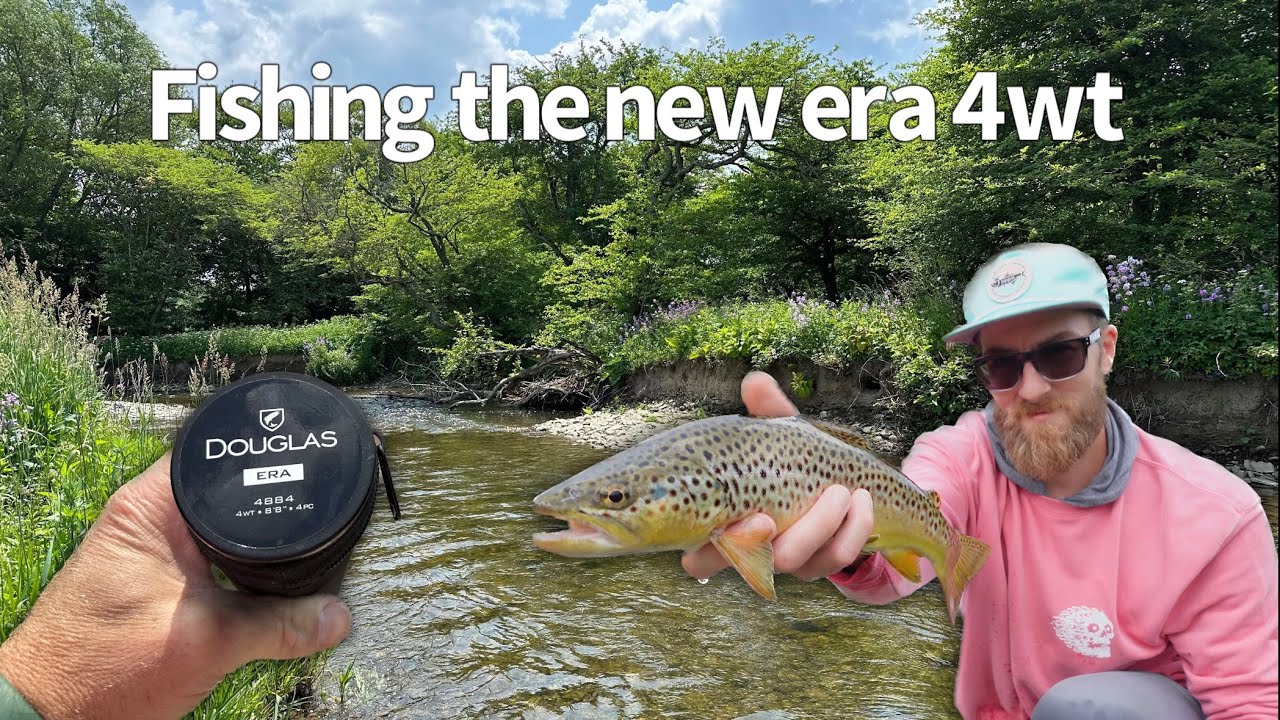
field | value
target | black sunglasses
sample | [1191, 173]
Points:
[1061, 360]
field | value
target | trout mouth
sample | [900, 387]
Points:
[583, 538]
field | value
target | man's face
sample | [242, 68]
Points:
[1046, 426]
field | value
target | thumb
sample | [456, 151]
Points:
[763, 397]
[279, 628]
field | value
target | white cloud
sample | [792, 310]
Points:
[686, 23]
[904, 26]
[550, 8]
[683, 24]
[388, 42]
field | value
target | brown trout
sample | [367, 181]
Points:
[680, 488]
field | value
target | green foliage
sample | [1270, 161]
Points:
[171, 222]
[61, 456]
[553, 242]
[275, 689]
[925, 385]
[801, 386]
[335, 362]
[1193, 180]
[1219, 325]
[69, 70]
[239, 342]
[463, 360]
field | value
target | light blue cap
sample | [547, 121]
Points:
[1030, 278]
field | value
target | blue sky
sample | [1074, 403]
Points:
[428, 42]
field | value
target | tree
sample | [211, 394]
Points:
[1194, 180]
[171, 224]
[69, 70]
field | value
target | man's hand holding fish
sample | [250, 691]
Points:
[825, 540]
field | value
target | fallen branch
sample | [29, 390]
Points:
[560, 358]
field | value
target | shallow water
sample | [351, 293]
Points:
[457, 615]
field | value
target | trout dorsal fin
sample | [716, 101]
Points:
[841, 433]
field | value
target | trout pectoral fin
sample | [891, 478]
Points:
[906, 562]
[751, 554]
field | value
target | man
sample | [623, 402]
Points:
[1128, 577]
[133, 626]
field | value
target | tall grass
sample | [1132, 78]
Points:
[61, 457]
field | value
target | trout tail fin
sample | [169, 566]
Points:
[965, 557]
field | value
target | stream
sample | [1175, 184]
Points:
[457, 615]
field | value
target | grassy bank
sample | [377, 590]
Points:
[63, 457]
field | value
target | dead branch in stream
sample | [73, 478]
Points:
[557, 376]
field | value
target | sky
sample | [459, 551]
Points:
[429, 42]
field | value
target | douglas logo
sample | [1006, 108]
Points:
[272, 419]
[215, 448]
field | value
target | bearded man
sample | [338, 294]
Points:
[1127, 578]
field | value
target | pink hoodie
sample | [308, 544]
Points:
[1177, 576]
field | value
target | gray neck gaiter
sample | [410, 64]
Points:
[1122, 448]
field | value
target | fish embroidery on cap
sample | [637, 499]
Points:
[1009, 281]
[1086, 630]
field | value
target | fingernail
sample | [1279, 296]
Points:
[335, 622]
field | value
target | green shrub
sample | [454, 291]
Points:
[239, 342]
[925, 384]
[1174, 324]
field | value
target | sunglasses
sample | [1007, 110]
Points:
[1061, 360]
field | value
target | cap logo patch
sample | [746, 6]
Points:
[1009, 281]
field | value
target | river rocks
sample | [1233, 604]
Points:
[618, 429]
[1258, 473]
[1258, 467]
[621, 428]
[157, 414]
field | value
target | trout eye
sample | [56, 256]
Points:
[615, 496]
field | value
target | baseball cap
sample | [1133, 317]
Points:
[1029, 278]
